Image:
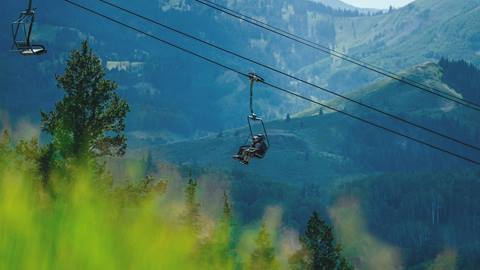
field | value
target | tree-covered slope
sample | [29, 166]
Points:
[164, 86]
[344, 6]
[424, 30]
[329, 146]
[173, 95]
[424, 216]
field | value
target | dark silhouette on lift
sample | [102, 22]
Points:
[260, 143]
[22, 32]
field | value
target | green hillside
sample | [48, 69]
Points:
[415, 203]
[430, 219]
[327, 147]
[118, 153]
[151, 76]
[425, 30]
[419, 31]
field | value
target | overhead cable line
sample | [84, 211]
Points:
[345, 57]
[273, 86]
[393, 116]
[373, 124]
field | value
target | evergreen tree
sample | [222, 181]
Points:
[263, 257]
[288, 118]
[226, 227]
[319, 251]
[462, 76]
[21, 156]
[6, 148]
[192, 211]
[319, 240]
[150, 166]
[5, 143]
[219, 250]
[227, 209]
[45, 163]
[90, 120]
[345, 265]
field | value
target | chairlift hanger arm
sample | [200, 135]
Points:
[32, 21]
[253, 117]
[266, 134]
[253, 78]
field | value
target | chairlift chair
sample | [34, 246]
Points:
[22, 32]
[259, 143]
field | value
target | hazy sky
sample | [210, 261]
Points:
[377, 3]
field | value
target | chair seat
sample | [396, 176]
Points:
[34, 50]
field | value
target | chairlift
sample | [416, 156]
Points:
[22, 32]
[259, 143]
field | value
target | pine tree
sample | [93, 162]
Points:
[5, 146]
[21, 155]
[219, 250]
[319, 241]
[192, 212]
[226, 226]
[90, 120]
[345, 265]
[5, 141]
[227, 209]
[319, 251]
[150, 166]
[263, 257]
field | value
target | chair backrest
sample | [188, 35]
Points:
[261, 149]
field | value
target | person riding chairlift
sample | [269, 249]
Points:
[258, 149]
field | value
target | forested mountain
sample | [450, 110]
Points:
[189, 117]
[420, 203]
[422, 31]
[462, 75]
[423, 215]
[175, 96]
[323, 146]
[343, 6]
[169, 91]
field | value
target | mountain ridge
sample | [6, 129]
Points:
[327, 147]
[342, 5]
[177, 95]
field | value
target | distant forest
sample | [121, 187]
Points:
[423, 214]
[463, 77]
[345, 12]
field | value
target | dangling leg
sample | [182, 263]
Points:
[249, 153]
[241, 153]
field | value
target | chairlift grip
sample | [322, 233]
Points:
[29, 9]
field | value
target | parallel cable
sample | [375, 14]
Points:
[273, 86]
[393, 116]
[154, 37]
[345, 57]
[373, 124]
